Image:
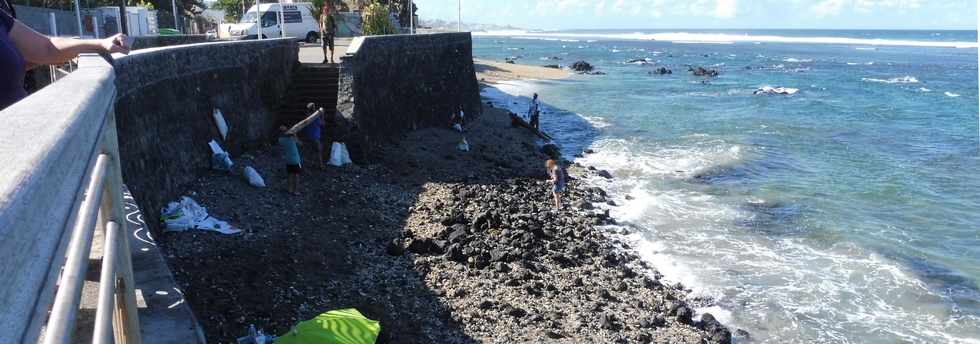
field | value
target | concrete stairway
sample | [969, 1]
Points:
[312, 83]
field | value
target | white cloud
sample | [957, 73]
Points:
[826, 8]
[600, 8]
[618, 6]
[725, 8]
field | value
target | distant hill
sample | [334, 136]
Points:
[446, 25]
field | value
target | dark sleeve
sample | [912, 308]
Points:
[6, 21]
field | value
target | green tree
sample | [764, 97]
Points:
[232, 8]
[375, 19]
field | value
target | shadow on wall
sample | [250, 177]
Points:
[390, 85]
[165, 100]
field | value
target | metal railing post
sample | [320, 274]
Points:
[125, 318]
[62, 320]
[107, 282]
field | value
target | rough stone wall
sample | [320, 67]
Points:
[164, 104]
[393, 84]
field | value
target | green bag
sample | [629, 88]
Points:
[345, 326]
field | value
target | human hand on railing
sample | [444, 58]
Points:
[115, 44]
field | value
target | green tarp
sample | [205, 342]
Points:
[345, 326]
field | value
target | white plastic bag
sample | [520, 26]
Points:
[220, 160]
[463, 146]
[219, 121]
[339, 156]
[187, 214]
[345, 154]
[253, 177]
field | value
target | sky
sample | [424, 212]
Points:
[710, 14]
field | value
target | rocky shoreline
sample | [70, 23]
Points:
[441, 246]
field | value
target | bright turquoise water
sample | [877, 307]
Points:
[848, 212]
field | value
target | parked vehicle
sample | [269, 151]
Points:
[297, 21]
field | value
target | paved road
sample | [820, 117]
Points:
[312, 53]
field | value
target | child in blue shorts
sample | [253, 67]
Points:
[557, 178]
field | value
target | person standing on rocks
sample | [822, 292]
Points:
[328, 29]
[557, 179]
[290, 153]
[313, 133]
[533, 112]
[458, 119]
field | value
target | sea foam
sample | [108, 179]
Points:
[727, 38]
[899, 80]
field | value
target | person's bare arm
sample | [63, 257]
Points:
[40, 49]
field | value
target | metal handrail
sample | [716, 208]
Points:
[101, 208]
[62, 320]
[107, 282]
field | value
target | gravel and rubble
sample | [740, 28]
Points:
[439, 245]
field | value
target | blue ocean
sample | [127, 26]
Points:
[846, 212]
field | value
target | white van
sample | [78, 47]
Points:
[297, 19]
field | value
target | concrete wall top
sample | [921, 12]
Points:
[46, 143]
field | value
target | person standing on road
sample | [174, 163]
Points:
[533, 112]
[328, 29]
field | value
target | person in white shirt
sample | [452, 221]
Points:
[533, 112]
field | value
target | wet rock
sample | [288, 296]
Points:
[742, 335]
[552, 66]
[683, 313]
[604, 174]
[553, 335]
[584, 205]
[661, 71]
[486, 304]
[701, 71]
[582, 66]
[717, 332]
[517, 312]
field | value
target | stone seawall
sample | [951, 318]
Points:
[393, 84]
[164, 109]
[146, 42]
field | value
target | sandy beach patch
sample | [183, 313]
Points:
[494, 72]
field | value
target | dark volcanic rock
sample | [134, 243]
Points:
[584, 205]
[395, 248]
[582, 67]
[604, 174]
[553, 66]
[661, 71]
[701, 71]
[608, 321]
[683, 313]
[517, 312]
[717, 332]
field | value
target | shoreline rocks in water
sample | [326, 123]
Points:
[661, 71]
[701, 71]
[439, 245]
[581, 67]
